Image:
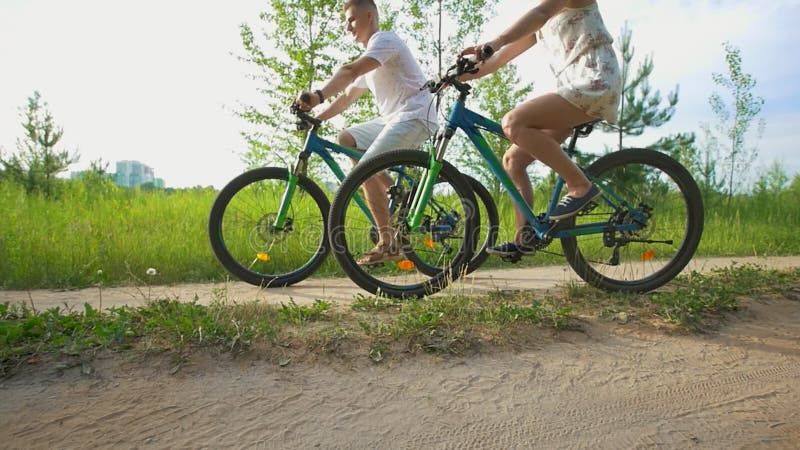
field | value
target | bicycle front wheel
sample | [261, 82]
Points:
[486, 233]
[659, 202]
[244, 236]
[444, 239]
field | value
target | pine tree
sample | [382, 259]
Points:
[37, 163]
[640, 106]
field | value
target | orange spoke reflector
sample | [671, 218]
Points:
[263, 257]
[429, 242]
[648, 255]
[405, 265]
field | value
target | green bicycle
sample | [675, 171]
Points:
[267, 226]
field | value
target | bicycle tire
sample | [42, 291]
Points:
[675, 188]
[338, 227]
[239, 227]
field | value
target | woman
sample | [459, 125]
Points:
[588, 88]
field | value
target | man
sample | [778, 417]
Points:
[407, 115]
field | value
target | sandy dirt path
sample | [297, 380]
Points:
[608, 386]
[341, 290]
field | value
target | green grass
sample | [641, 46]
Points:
[93, 234]
[373, 327]
[690, 302]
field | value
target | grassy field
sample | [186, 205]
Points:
[99, 233]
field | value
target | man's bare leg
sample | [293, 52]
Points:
[375, 194]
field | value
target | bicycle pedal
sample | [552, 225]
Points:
[588, 208]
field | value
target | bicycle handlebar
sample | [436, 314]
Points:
[306, 120]
[462, 66]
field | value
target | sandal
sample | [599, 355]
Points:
[381, 253]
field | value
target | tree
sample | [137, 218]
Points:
[734, 119]
[425, 20]
[37, 162]
[772, 180]
[640, 106]
[299, 37]
[705, 171]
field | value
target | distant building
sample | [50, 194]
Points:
[129, 174]
[134, 173]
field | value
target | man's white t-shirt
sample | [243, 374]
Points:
[396, 83]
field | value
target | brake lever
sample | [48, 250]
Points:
[430, 85]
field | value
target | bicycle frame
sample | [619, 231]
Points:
[322, 147]
[316, 145]
[472, 123]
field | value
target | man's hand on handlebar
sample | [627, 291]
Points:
[306, 101]
[306, 120]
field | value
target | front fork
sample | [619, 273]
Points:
[429, 177]
[300, 167]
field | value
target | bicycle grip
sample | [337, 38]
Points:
[305, 98]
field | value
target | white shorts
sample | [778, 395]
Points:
[377, 136]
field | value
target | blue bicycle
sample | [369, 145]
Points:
[636, 237]
[267, 226]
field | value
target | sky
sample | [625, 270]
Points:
[158, 81]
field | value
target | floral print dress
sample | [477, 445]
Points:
[583, 61]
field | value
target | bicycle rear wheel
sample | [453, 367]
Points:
[444, 240]
[653, 189]
[243, 236]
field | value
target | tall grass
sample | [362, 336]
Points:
[63, 242]
[762, 224]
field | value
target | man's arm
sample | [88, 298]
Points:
[343, 77]
[351, 94]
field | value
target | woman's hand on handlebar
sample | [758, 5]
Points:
[482, 52]
[478, 54]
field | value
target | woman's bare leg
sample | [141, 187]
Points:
[526, 126]
[516, 162]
